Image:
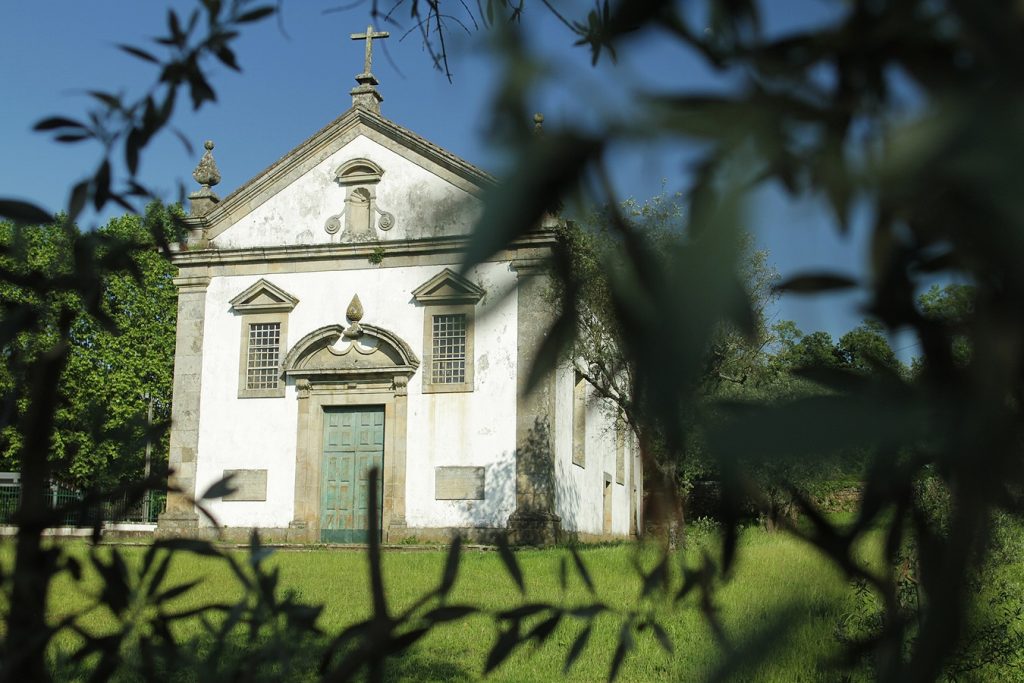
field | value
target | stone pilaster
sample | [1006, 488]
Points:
[534, 521]
[395, 486]
[180, 516]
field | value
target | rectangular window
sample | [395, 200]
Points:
[448, 358]
[263, 362]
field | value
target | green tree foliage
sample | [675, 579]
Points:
[36, 328]
[952, 307]
[116, 362]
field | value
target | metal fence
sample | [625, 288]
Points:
[143, 511]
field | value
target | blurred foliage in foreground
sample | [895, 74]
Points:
[909, 110]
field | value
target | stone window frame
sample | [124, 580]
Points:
[620, 449]
[262, 303]
[448, 293]
[579, 419]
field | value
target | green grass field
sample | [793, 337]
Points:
[775, 575]
[783, 602]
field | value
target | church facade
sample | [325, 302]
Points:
[325, 329]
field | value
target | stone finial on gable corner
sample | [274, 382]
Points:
[207, 175]
[538, 124]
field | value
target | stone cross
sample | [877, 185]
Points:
[368, 37]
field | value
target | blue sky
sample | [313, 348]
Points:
[297, 79]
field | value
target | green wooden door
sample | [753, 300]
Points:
[353, 444]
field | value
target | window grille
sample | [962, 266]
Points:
[264, 348]
[448, 365]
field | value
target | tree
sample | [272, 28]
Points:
[598, 340]
[116, 363]
[36, 327]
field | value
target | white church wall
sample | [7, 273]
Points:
[260, 433]
[423, 204]
[579, 499]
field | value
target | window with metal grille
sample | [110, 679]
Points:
[448, 364]
[264, 349]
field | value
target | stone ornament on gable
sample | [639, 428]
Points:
[361, 217]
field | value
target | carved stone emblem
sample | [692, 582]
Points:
[360, 219]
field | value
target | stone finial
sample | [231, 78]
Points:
[354, 313]
[538, 124]
[365, 95]
[207, 175]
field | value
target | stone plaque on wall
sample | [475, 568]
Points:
[248, 484]
[458, 483]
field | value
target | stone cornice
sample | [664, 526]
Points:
[534, 240]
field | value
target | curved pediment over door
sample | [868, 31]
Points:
[328, 354]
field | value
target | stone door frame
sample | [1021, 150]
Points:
[313, 398]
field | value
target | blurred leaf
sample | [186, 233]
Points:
[176, 591]
[503, 647]
[140, 53]
[626, 644]
[24, 213]
[508, 558]
[57, 122]
[542, 631]
[523, 611]
[581, 569]
[451, 568]
[518, 204]
[662, 636]
[815, 283]
[577, 648]
[255, 14]
[220, 488]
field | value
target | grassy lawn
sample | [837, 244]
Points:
[775, 574]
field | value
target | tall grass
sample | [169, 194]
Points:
[775, 575]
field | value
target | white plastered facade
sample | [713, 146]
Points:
[274, 229]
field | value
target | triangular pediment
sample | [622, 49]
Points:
[263, 296]
[448, 287]
[464, 178]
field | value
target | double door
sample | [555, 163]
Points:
[353, 445]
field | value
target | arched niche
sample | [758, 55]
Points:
[374, 353]
[355, 366]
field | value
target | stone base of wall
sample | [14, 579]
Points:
[534, 528]
[109, 531]
[175, 523]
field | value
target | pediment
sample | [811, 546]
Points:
[263, 297]
[448, 287]
[326, 354]
[464, 179]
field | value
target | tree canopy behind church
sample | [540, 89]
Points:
[116, 362]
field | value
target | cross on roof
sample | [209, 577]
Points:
[368, 37]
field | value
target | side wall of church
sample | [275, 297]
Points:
[579, 496]
[465, 429]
